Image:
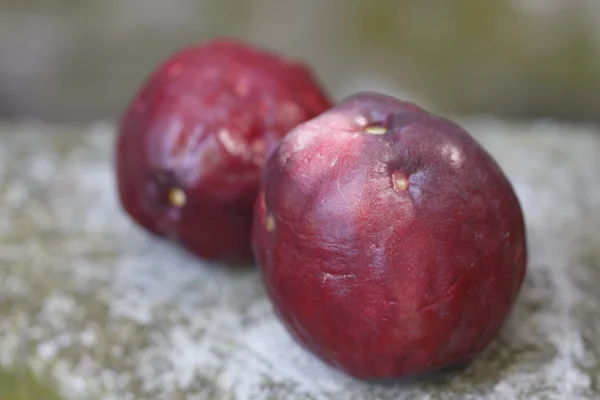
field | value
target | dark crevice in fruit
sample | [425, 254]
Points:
[164, 191]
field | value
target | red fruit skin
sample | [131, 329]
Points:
[385, 280]
[203, 123]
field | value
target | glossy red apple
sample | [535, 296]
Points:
[389, 240]
[195, 137]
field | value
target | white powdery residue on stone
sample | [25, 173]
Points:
[42, 167]
[57, 309]
[87, 338]
[543, 215]
[534, 203]
[115, 382]
[85, 378]
[81, 200]
[16, 193]
[129, 306]
[563, 330]
[505, 391]
[13, 284]
[75, 383]
[96, 186]
[158, 274]
[10, 343]
[150, 278]
[5, 224]
[267, 349]
[190, 356]
[49, 348]
[558, 327]
[192, 328]
[177, 359]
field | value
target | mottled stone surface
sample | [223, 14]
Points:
[108, 312]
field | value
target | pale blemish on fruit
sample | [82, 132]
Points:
[175, 70]
[270, 223]
[242, 88]
[258, 146]
[376, 130]
[453, 154]
[263, 201]
[232, 144]
[177, 197]
[361, 121]
[290, 113]
[327, 276]
[399, 181]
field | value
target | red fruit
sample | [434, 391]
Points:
[389, 240]
[195, 138]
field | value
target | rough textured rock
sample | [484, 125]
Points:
[108, 312]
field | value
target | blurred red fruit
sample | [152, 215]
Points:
[194, 139]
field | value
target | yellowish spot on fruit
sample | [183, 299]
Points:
[399, 181]
[177, 197]
[376, 130]
[270, 223]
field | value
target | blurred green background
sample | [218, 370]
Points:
[78, 60]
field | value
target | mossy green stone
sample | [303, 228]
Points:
[22, 384]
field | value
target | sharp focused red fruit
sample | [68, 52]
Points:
[389, 240]
[194, 139]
